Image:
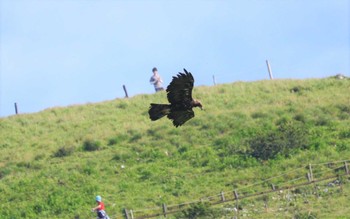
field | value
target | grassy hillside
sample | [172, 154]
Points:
[53, 163]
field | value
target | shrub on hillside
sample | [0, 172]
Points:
[300, 117]
[90, 145]
[117, 140]
[344, 108]
[199, 210]
[257, 115]
[288, 136]
[63, 152]
[135, 137]
[4, 172]
[122, 156]
[299, 214]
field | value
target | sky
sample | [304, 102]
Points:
[65, 52]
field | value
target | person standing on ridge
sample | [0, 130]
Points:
[100, 209]
[156, 80]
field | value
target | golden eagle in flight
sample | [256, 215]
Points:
[179, 93]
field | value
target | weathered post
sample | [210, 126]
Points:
[164, 209]
[346, 168]
[266, 199]
[269, 69]
[311, 179]
[310, 171]
[16, 109]
[235, 193]
[273, 187]
[222, 196]
[126, 214]
[308, 176]
[131, 214]
[214, 81]
[126, 92]
[340, 185]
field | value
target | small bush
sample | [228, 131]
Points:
[288, 136]
[299, 89]
[121, 156]
[323, 121]
[258, 115]
[304, 215]
[300, 118]
[39, 157]
[39, 208]
[63, 152]
[152, 154]
[295, 89]
[116, 140]
[89, 170]
[344, 134]
[90, 145]
[342, 147]
[135, 137]
[145, 175]
[182, 149]
[344, 108]
[4, 172]
[24, 164]
[122, 105]
[199, 210]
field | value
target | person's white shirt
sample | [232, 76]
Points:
[156, 81]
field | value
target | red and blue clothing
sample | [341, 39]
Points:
[101, 206]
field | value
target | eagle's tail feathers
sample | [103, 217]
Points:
[157, 111]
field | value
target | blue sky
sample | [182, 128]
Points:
[59, 53]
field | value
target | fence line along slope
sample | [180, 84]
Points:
[331, 174]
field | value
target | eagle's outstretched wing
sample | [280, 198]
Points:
[180, 117]
[180, 88]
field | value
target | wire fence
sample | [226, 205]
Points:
[307, 175]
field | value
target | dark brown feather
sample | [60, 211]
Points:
[180, 88]
[180, 117]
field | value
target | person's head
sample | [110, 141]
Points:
[98, 198]
[155, 71]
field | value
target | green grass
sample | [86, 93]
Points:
[53, 163]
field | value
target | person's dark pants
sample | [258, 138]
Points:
[159, 89]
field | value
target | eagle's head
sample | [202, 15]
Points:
[197, 103]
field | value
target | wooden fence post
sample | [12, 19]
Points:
[222, 196]
[164, 209]
[308, 176]
[235, 193]
[266, 199]
[346, 168]
[269, 69]
[131, 214]
[126, 214]
[126, 92]
[214, 81]
[310, 171]
[16, 109]
[311, 179]
[273, 187]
